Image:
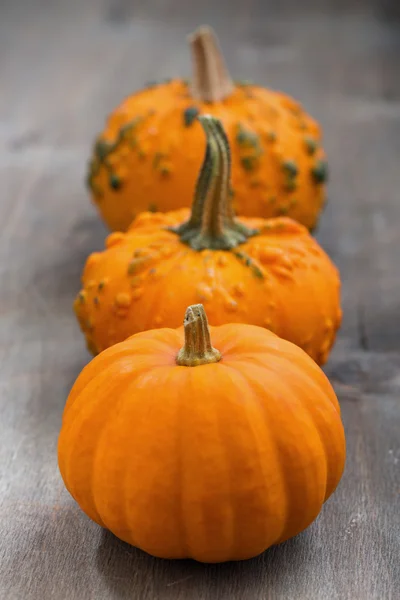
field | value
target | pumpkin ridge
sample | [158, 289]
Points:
[72, 407]
[180, 482]
[256, 385]
[124, 521]
[292, 363]
[311, 416]
[233, 509]
[308, 407]
[249, 384]
[72, 431]
[235, 348]
[117, 351]
[286, 390]
[192, 376]
[310, 383]
[331, 482]
[221, 426]
[95, 454]
[128, 525]
[124, 402]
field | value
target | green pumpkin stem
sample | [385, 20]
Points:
[197, 349]
[211, 81]
[212, 224]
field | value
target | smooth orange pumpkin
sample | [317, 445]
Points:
[270, 273]
[148, 156]
[188, 450]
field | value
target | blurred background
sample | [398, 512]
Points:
[64, 65]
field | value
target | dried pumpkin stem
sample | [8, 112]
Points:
[197, 349]
[212, 224]
[211, 80]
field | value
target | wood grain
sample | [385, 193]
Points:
[63, 66]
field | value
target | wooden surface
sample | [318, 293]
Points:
[63, 66]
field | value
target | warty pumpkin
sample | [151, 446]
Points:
[267, 272]
[148, 156]
[191, 446]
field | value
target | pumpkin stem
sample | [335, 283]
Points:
[212, 224]
[197, 349]
[211, 80]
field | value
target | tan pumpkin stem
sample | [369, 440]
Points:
[212, 224]
[211, 80]
[197, 349]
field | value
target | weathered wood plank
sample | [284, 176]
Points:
[63, 66]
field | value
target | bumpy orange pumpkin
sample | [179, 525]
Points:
[270, 273]
[209, 453]
[149, 154]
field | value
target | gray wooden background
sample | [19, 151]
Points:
[63, 66]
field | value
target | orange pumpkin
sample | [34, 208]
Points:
[270, 273]
[150, 152]
[189, 451]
